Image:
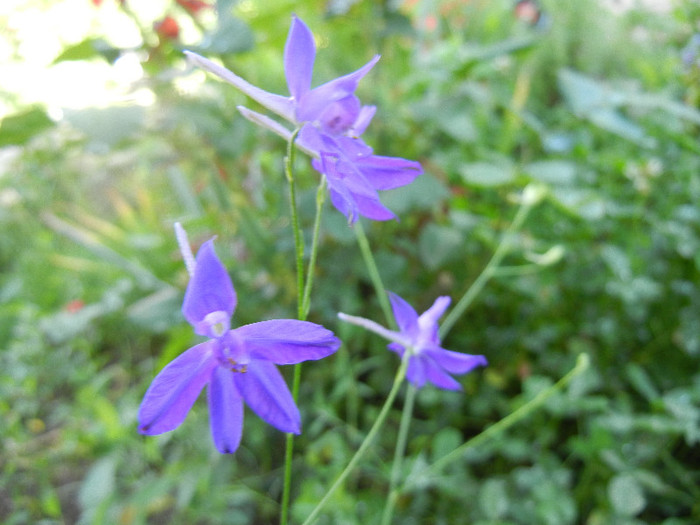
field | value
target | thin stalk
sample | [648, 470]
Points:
[374, 273]
[364, 446]
[306, 299]
[582, 364]
[299, 257]
[488, 271]
[296, 228]
[397, 467]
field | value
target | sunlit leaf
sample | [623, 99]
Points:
[19, 128]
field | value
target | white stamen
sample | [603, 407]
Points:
[185, 249]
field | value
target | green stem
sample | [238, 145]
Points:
[369, 439]
[374, 273]
[306, 299]
[396, 468]
[299, 257]
[296, 228]
[582, 364]
[488, 271]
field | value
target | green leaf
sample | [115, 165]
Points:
[19, 128]
[585, 203]
[106, 126]
[99, 483]
[626, 495]
[460, 126]
[493, 499]
[445, 441]
[487, 174]
[232, 36]
[88, 49]
[423, 193]
[557, 172]
[438, 244]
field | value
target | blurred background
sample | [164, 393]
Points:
[107, 137]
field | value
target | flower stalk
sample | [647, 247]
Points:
[364, 446]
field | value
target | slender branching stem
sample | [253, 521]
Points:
[311, 268]
[582, 364]
[364, 446]
[399, 452]
[299, 257]
[296, 228]
[489, 270]
[374, 273]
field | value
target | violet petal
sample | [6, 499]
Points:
[416, 372]
[437, 376]
[225, 411]
[175, 389]
[455, 362]
[209, 291]
[286, 341]
[406, 317]
[299, 56]
[266, 393]
[315, 101]
[387, 173]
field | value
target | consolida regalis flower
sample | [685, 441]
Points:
[331, 120]
[418, 335]
[237, 365]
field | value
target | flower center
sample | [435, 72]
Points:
[232, 354]
[339, 116]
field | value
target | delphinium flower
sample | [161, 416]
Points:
[237, 364]
[418, 335]
[330, 119]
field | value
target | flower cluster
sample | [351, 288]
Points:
[330, 119]
[238, 365]
[419, 337]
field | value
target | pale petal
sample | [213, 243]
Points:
[225, 411]
[286, 341]
[266, 393]
[428, 320]
[363, 120]
[175, 389]
[299, 56]
[209, 291]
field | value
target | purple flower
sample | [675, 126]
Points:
[237, 365]
[418, 335]
[332, 107]
[331, 120]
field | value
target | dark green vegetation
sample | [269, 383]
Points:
[598, 108]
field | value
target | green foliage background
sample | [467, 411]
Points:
[597, 107]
